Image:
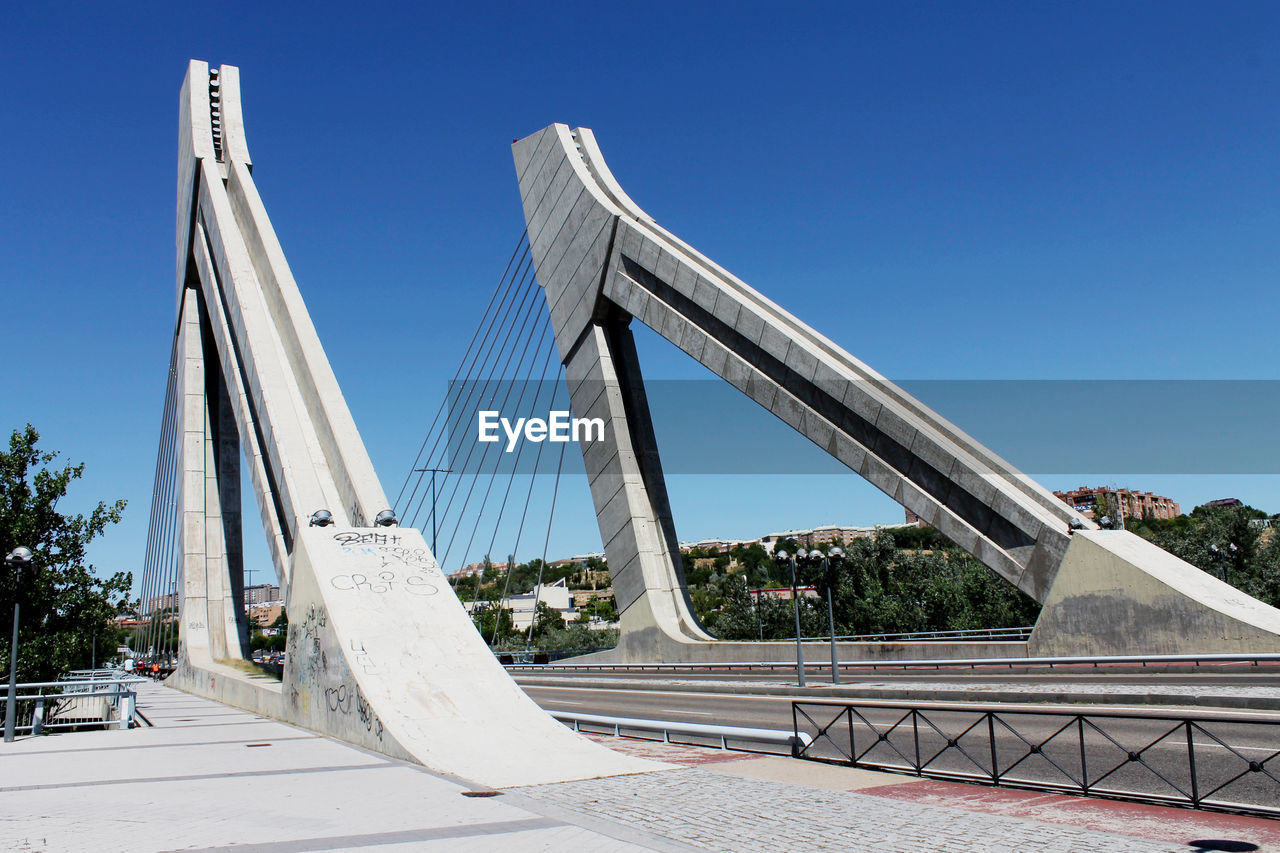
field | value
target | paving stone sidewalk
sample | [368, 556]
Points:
[718, 811]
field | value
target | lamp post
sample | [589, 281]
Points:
[17, 559]
[836, 554]
[1224, 559]
[781, 556]
[747, 589]
[433, 471]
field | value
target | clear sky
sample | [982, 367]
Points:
[949, 190]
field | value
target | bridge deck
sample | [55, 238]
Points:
[207, 776]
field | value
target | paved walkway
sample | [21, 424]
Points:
[210, 777]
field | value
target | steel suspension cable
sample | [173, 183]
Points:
[551, 514]
[485, 454]
[520, 336]
[514, 310]
[491, 314]
[163, 545]
[157, 500]
[515, 466]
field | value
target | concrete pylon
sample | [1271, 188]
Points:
[602, 262]
[380, 651]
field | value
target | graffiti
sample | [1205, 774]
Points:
[363, 659]
[339, 699]
[196, 626]
[418, 585]
[351, 537]
[384, 582]
[367, 716]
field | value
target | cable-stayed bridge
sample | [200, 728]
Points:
[381, 651]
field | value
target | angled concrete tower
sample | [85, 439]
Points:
[380, 651]
[603, 262]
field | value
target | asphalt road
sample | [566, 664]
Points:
[1162, 753]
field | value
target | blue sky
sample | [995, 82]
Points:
[949, 190]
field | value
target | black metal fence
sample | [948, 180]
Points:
[1223, 762]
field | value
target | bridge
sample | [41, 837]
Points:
[381, 652]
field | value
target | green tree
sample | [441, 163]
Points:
[65, 608]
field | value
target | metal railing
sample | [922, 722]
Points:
[1095, 662]
[75, 703]
[1222, 762]
[725, 735]
[103, 674]
[1004, 634]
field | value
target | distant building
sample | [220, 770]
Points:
[554, 595]
[783, 593]
[472, 569]
[261, 593]
[266, 613]
[1224, 502]
[169, 601]
[720, 546]
[830, 534]
[1128, 503]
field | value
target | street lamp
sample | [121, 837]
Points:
[434, 471]
[17, 559]
[747, 589]
[814, 556]
[783, 556]
[835, 554]
[1225, 559]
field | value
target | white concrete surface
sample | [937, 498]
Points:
[208, 776]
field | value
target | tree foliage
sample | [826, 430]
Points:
[1222, 542]
[877, 588]
[65, 608]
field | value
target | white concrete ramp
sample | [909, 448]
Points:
[382, 654]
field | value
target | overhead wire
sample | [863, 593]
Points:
[489, 312]
[515, 309]
[488, 380]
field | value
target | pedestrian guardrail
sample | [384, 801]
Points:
[725, 735]
[1223, 762]
[1096, 662]
[1002, 634]
[74, 703]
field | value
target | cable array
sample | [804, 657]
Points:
[463, 493]
[156, 636]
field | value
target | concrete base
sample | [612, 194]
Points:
[1116, 593]
[382, 655]
[648, 643]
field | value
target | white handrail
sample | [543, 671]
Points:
[668, 727]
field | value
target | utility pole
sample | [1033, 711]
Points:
[434, 471]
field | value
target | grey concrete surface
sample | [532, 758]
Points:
[279, 788]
